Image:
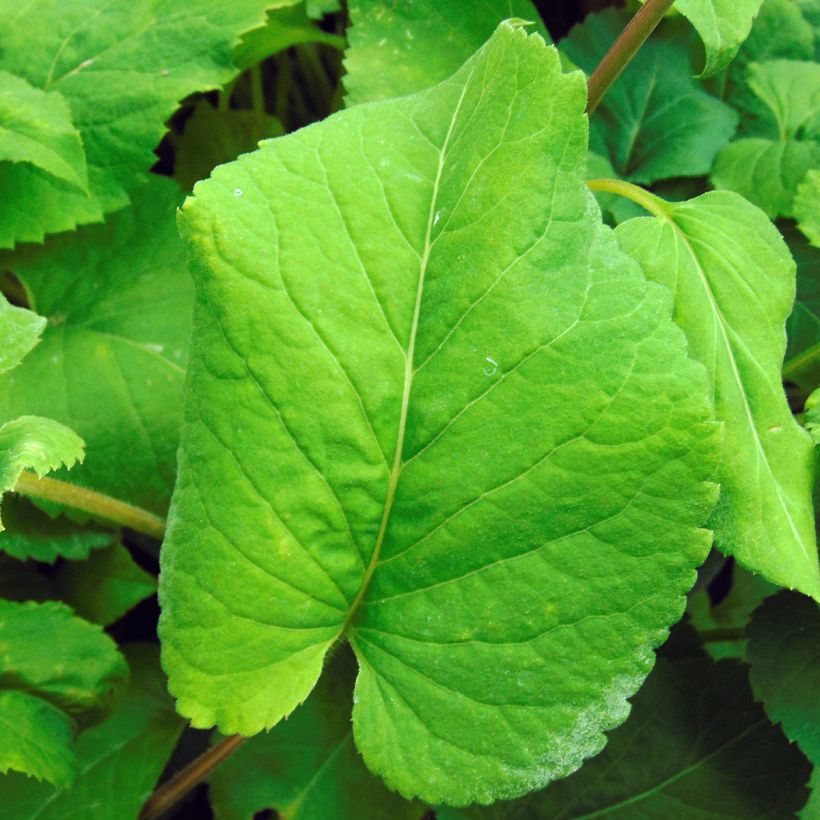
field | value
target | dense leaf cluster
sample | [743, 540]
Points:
[472, 438]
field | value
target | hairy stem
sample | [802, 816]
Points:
[97, 504]
[654, 204]
[170, 793]
[720, 635]
[624, 49]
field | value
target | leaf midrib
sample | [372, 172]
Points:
[409, 371]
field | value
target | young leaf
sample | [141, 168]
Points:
[119, 761]
[781, 139]
[696, 745]
[655, 121]
[118, 298]
[807, 207]
[54, 668]
[20, 331]
[812, 415]
[213, 137]
[400, 48]
[378, 296]
[733, 283]
[33, 443]
[307, 763]
[122, 67]
[723, 25]
[104, 587]
[784, 655]
[36, 128]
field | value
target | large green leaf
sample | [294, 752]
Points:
[784, 655]
[400, 48]
[723, 25]
[696, 746]
[119, 761]
[734, 282]
[308, 767]
[118, 300]
[36, 128]
[655, 121]
[807, 206]
[122, 66]
[54, 668]
[450, 422]
[20, 331]
[781, 141]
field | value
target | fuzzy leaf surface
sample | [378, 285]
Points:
[54, 668]
[399, 48]
[118, 299]
[734, 282]
[356, 362]
[122, 67]
[655, 121]
[784, 658]
[696, 746]
[307, 763]
[119, 761]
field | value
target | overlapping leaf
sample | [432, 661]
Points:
[118, 302]
[807, 206]
[450, 423]
[54, 669]
[20, 331]
[655, 121]
[121, 67]
[423, 42]
[734, 281]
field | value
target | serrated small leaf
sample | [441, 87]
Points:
[118, 298]
[399, 48]
[36, 128]
[784, 658]
[781, 141]
[308, 763]
[807, 206]
[734, 284]
[119, 761]
[696, 746]
[655, 121]
[54, 669]
[122, 68]
[20, 331]
[377, 296]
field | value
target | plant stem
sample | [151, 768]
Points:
[721, 635]
[624, 49]
[654, 204]
[97, 504]
[170, 793]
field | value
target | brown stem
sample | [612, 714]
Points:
[170, 793]
[624, 49]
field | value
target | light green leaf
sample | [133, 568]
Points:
[38, 444]
[734, 282]
[655, 121]
[723, 25]
[36, 127]
[696, 746]
[20, 331]
[307, 764]
[807, 206]
[54, 668]
[780, 31]
[213, 137]
[784, 658]
[118, 298]
[400, 48]
[783, 136]
[122, 67]
[286, 26]
[119, 761]
[378, 296]
[103, 588]
[31, 533]
[812, 415]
